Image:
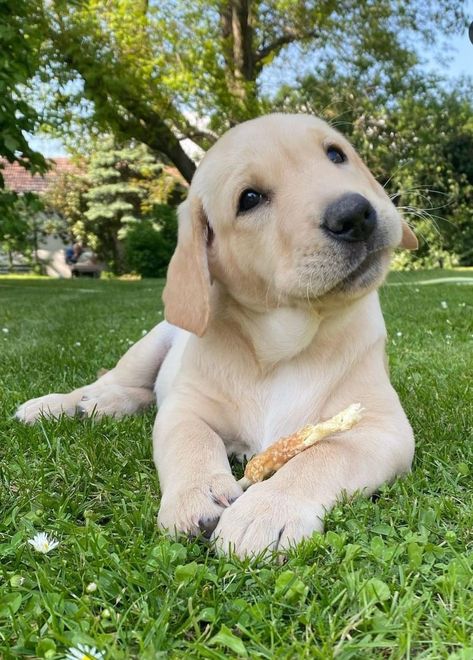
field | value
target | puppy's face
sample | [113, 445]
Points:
[295, 216]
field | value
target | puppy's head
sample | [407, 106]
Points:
[281, 211]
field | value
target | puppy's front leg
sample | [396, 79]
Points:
[194, 473]
[123, 390]
[291, 504]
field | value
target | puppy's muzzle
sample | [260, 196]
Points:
[350, 218]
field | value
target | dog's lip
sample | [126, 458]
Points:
[372, 257]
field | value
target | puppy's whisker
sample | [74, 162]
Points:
[398, 169]
[426, 215]
[416, 189]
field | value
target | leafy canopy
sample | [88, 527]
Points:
[21, 33]
[159, 72]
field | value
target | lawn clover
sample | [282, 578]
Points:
[41, 542]
[444, 304]
[84, 652]
[5, 330]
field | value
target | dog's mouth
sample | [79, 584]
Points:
[366, 273]
[346, 274]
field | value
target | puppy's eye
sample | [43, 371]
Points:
[336, 155]
[249, 199]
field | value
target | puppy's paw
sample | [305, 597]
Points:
[101, 399]
[51, 405]
[266, 519]
[196, 508]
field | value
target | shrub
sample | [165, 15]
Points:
[149, 244]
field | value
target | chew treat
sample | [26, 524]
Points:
[280, 452]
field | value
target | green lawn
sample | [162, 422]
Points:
[391, 578]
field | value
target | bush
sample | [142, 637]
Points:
[149, 244]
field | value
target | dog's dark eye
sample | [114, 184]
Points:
[336, 155]
[249, 199]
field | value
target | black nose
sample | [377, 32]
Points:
[350, 218]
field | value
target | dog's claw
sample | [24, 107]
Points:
[208, 525]
[221, 499]
[81, 412]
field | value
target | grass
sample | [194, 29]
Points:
[391, 578]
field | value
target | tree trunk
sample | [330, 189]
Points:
[118, 252]
[237, 33]
[35, 243]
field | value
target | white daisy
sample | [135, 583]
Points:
[84, 652]
[91, 587]
[41, 542]
[5, 330]
[444, 304]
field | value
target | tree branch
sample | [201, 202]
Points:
[200, 136]
[141, 122]
[289, 37]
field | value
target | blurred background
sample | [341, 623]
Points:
[107, 106]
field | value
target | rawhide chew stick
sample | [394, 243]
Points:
[280, 452]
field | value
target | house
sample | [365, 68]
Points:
[51, 249]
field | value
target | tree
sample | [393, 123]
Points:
[115, 195]
[161, 72]
[21, 226]
[66, 197]
[113, 191]
[150, 244]
[21, 33]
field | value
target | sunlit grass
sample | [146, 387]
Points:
[391, 578]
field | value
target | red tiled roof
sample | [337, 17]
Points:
[20, 180]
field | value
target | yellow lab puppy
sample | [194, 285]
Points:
[273, 322]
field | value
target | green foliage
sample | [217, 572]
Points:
[154, 71]
[67, 197]
[21, 33]
[21, 226]
[115, 195]
[149, 244]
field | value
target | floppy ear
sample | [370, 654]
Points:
[186, 295]
[409, 239]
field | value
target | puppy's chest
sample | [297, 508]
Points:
[272, 408]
